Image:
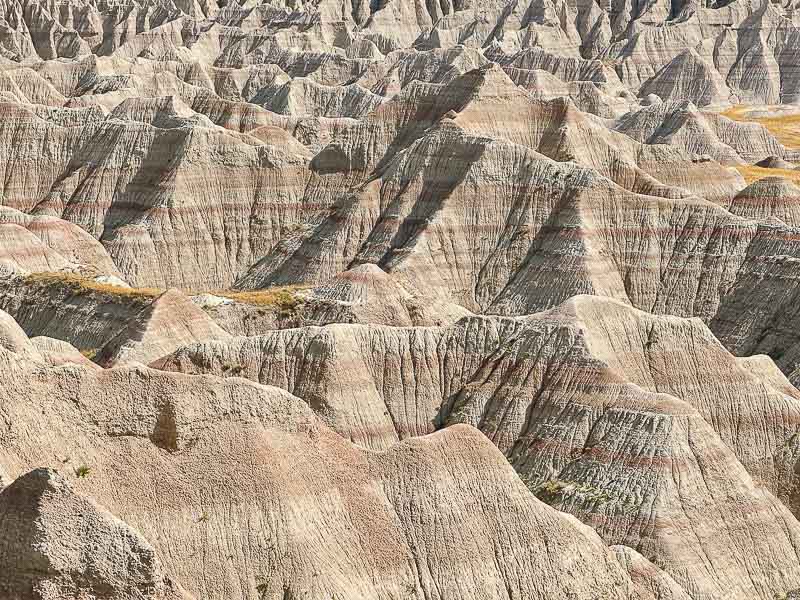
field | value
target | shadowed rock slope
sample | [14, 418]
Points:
[168, 322]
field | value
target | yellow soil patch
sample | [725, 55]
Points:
[79, 283]
[284, 298]
[786, 128]
[753, 173]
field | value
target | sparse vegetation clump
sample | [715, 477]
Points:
[555, 490]
[550, 491]
[82, 471]
[232, 368]
[286, 299]
[90, 353]
[79, 284]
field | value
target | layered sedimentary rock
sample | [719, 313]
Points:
[701, 133]
[760, 314]
[168, 322]
[651, 581]
[40, 243]
[609, 413]
[769, 198]
[130, 118]
[405, 274]
[276, 503]
[79, 311]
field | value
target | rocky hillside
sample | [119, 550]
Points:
[397, 300]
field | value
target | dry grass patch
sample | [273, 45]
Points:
[84, 284]
[786, 128]
[90, 353]
[284, 298]
[752, 173]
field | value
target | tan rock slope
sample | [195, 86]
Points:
[606, 412]
[612, 414]
[40, 243]
[57, 544]
[168, 322]
[769, 198]
[275, 503]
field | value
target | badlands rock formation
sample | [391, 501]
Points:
[43, 519]
[275, 503]
[393, 300]
[168, 322]
[609, 413]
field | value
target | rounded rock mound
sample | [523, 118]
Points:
[770, 197]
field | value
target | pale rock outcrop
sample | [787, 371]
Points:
[304, 98]
[168, 322]
[688, 76]
[367, 294]
[588, 96]
[700, 133]
[770, 197]
[364, 294]
[542, 227]
[33, 88]
[60, 245]
[57, 544]
[12, 337]
[22, 251]
[404, 66]
[651, 581]
[558, 130]
[58, 352]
